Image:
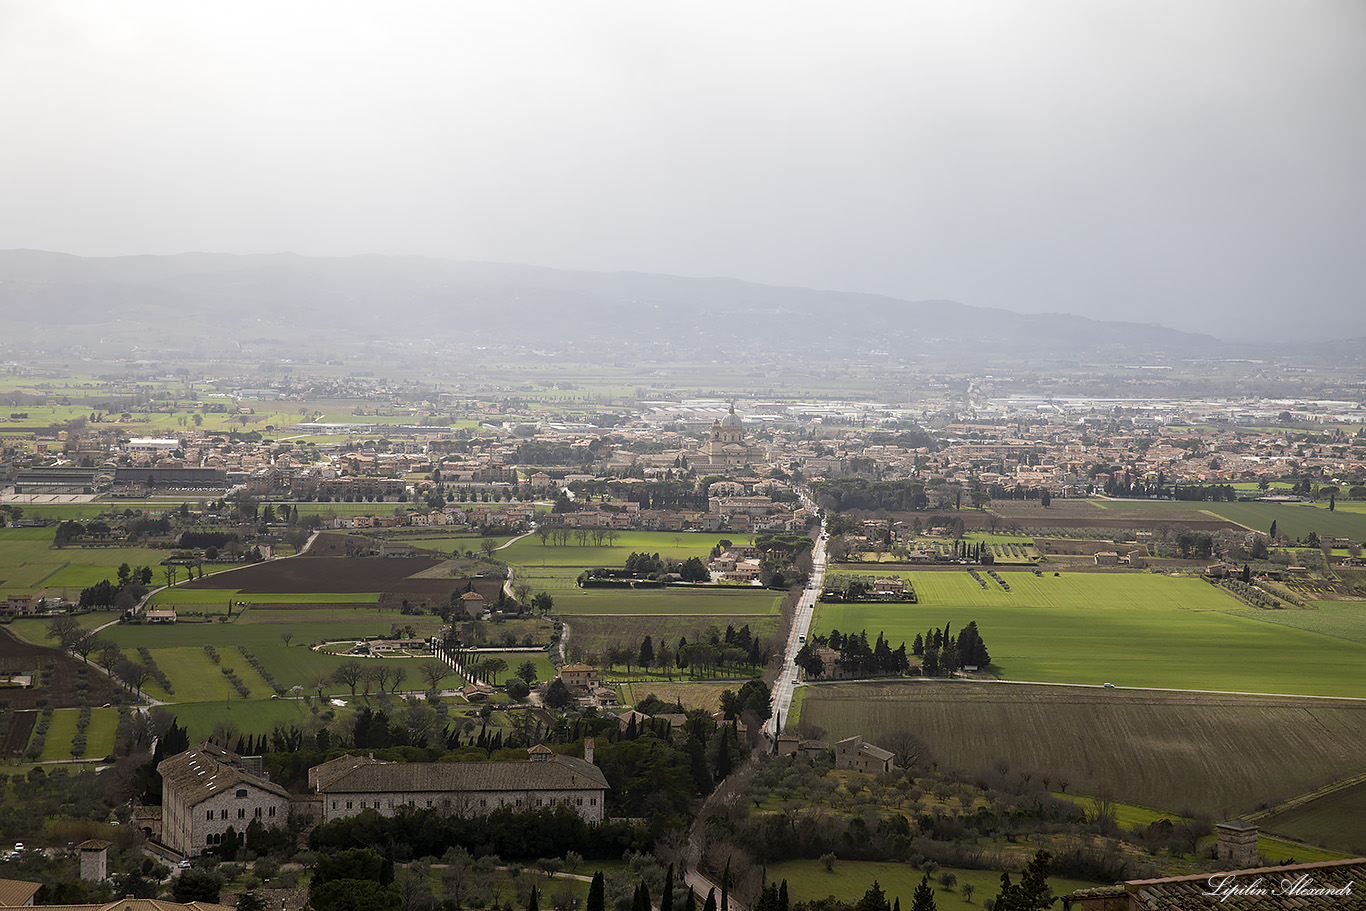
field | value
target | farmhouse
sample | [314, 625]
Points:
[544, 780]
[857, 755]
[206, 790]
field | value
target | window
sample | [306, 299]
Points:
[429, 803]
[483, 802]
[362, 805]
[242, 813]
[241, 792]
[592, 801]
[258, 813]
[579, 802]
[348, 805]
[208, 814]
[272, 811]
[540, 802]
[222, 814]
[334, 805]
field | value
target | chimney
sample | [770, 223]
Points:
[588, 749]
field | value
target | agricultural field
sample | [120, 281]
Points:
[808, 881]
[1141, 630]
[530, 552]
[590, 636]
[700, 695]
[99, 735]
[29, 562]
[1342, 619]
[1177, 752]
[544, 669]
[1336, 819]
[739, 602]
[179, 649]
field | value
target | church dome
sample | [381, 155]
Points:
[732, 419]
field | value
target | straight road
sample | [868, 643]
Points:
[806, 609]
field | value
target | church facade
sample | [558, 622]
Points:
[726, 447]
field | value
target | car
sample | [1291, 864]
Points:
[801, 638]
[1109, 686]
[184, 865]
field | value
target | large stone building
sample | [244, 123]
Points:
[207, 790]
[726, 447]
[464, 788]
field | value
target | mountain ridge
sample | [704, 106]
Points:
[205, 298]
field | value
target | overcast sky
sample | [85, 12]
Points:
[1200, 163]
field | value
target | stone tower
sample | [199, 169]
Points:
[1237, 844]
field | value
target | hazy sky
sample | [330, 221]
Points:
[1200, 163]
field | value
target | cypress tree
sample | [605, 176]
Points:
[710, 903]
[725, 888]
[923, 899]
[666, 898]
[691, 903]
[597, 892]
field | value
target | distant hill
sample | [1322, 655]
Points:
[207, 304]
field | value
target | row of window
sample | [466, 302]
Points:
[446, 804]
[241, 813]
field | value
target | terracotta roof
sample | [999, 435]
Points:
[15, 892]
[335, 768]
[94, 844]
[1284, 888]
[199, 773]
[560, 773]
[140, 904]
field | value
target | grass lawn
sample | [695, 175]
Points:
[544, 669]
[99, 737]
[34, 629]
[1133, 630]
[58, 743]
[197, 679]
[592, 635]
[807, 880]
[679, 545]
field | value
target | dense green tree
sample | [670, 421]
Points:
[196, 886]
[923, 899]
[597, 893]
[1032, 893]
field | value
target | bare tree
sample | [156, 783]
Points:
[908, 747]
[286, 636]
[133, 674]
[350, 674]
[108, 654]
[433, 672]
[400, 674]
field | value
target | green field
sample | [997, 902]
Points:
[1140, 630]
[1177, 752]
[544, 669]
[1342, 619]
[1293, 519]
[245, 717]
[807, 880]
[99, 736]
[670, 602]
[28, 562]
[178, 648]
[529, 551]
[1336, 819]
